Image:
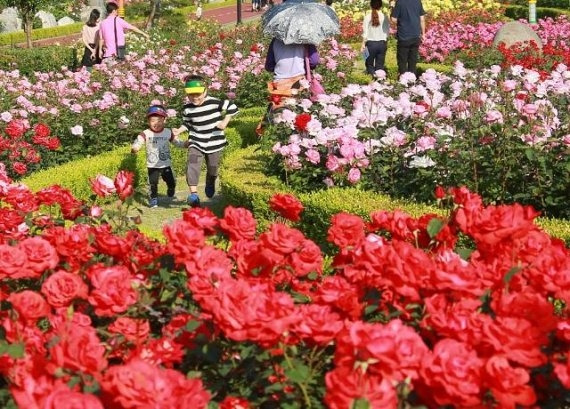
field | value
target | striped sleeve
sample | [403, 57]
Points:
[229, 107]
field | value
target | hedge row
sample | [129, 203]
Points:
[38, 59]
[558, 4]
[18, 37]
[254, 190]
[521, 12]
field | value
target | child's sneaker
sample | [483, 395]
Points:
[193, 200]
[153, 202]
[210, 190]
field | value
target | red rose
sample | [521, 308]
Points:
[40, 253]
[308, 258]
[346, 230]
[78, 348]
[14, 263]
[20, 168]
[301, 121]
[201, 218]
[508, 385]
[238, 223]
[134, 330]
[102, 186]
[346, 386]
[42, 131]
[439, 192]
[61, 288]
[124, 184]
[113, 292]
[64, 398]
[183, 239]
[29, 305]
[279, 241]
[451, 375]
[53, 143]
[318, 324]
[15, 128]
[287, 205]
[232, 402]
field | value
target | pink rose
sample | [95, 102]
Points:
[102, 186]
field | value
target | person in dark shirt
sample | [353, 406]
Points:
[409, 17]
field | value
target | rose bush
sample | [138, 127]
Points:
[400, 313]
[502, 132]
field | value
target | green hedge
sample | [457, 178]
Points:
[254, 190]
[521, 12]
[38, 59]
[558, 4]
[18, 37]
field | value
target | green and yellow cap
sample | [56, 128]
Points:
[194, 87]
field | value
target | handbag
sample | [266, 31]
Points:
[121, 49]
[315, 86]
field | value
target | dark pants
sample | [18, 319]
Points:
[377, 57]
[194, 165]
[167, 176]
[407, 55]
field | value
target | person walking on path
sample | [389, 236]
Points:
[90, 37]
[112, 33]
[157, 140]
[375, 30]
[204, 118]
[409, 17]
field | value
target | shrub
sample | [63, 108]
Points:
[39, 59]
[19, 37]
[521, 12]
[244, 183]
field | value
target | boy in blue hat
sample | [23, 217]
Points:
[157, 140]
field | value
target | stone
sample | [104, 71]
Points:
[516, 32]
[47, 19]
[64, 21]
[10, 20]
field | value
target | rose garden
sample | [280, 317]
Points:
[397, 243]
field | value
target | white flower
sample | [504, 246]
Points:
[421, 162]
[77, 130]
[124, 120]
[6, 116]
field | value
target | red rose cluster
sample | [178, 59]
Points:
[396, 315]
[21, 144]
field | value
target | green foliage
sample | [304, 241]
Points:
[245, 184]
[19, 37]
[521, 12]
[478, 57]
[253, 89]
[75, 175]
[39, 59]
[559, 4]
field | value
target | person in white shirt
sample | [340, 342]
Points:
[90, 36]
[375, 30]
[157, 140]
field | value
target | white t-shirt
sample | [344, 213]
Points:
[157, 147]
[378, 33]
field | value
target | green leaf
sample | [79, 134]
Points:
[434, 226]
[370, 309]
[464, 253]
[192, 325]
[299, 374]
[511, 273]
[360, 403]
[15, 350]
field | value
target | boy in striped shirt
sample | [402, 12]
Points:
[204, 118]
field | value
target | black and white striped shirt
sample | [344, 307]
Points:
[200, 122]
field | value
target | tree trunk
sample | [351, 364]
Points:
[28, 24]
[150, 20]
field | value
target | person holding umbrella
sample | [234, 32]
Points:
[287, 63]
